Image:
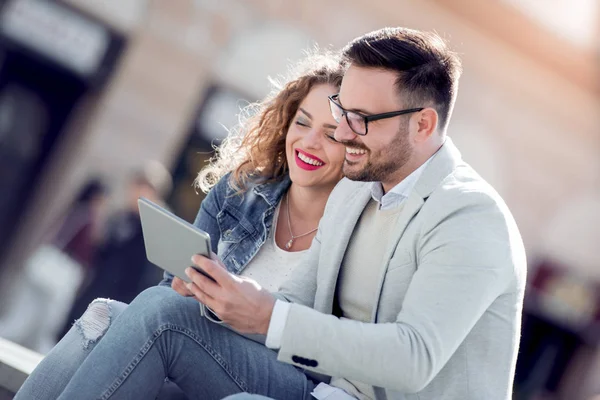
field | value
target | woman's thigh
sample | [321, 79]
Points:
[162, 334]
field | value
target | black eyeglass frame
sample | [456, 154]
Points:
[368, 118]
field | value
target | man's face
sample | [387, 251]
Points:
[381, 154]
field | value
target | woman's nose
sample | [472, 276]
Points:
[313, 139]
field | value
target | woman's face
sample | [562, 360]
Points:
[315, 159]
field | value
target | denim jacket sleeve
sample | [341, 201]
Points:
[206, 219]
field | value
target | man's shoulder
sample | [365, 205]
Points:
[466, 185]
[464, 191]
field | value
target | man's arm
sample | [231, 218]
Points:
[240, 302]
[465, 263]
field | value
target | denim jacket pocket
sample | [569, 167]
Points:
[234, 227]
[234, 235]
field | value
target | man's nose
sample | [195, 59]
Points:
[343, 131]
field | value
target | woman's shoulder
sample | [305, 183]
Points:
[272, 190]
[255, 191]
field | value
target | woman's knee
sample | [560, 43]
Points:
[246, 396]
[158, 300]
[157, 306]
[98, 317]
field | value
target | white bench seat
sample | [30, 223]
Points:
[16, 363]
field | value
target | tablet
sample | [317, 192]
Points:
[171, 241]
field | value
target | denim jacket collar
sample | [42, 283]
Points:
[273, 193]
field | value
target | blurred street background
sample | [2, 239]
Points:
[102, 101]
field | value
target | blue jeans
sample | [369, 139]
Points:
[161, 334]
[54, 372]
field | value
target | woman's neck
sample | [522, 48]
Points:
[307, 204]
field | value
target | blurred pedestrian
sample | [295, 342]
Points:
[121, 269]
[50, 278]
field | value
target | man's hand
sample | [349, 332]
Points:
[180, 287]
[239, 302]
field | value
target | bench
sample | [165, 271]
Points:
[16, 363]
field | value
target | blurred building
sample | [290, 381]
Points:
[526, 117]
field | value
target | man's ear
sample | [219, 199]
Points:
[426, 122]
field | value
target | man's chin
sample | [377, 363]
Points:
[354, 172]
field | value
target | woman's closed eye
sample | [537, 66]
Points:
[331, 137]
[305, 124]
[302, 123]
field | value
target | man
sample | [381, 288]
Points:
[417, 254]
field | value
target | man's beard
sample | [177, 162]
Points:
[380, 166]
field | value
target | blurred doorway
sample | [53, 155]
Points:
[51, 56]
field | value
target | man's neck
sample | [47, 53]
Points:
[408, 168]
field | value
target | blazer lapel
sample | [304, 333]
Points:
[443, 163]
[336, 240]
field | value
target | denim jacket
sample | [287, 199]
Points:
[238, 224]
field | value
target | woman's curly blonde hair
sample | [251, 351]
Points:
[255, 150]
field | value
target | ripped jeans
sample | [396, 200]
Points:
[161, 334]
[54, 372]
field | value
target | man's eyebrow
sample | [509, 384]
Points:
[356, 110]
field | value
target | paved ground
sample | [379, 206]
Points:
[5, 394]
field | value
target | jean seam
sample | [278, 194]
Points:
[148, 345]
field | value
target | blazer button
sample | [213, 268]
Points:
[305, 361]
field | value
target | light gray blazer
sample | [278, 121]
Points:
[447, 321]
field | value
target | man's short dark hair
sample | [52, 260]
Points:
[428, 71]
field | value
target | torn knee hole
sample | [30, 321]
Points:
[94, 323]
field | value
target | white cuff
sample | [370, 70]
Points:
[277, 324]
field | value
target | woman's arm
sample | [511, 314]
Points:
[206, 219]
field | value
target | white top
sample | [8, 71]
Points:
[271, 265]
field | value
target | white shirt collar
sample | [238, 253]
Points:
[399, 192]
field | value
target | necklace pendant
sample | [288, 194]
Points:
[289, 244]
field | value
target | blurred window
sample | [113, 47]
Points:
[217, 114]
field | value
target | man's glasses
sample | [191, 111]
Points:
[359, 123]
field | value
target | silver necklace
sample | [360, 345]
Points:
[290, 243]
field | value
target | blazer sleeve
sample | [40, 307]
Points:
[465, 262]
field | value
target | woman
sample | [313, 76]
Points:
[261, 217]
